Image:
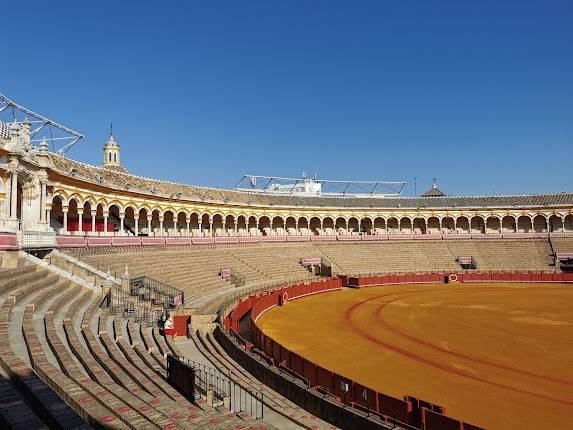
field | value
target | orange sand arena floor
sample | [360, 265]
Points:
[498, 356]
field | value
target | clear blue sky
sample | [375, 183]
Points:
[479, 94]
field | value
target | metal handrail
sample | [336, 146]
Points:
[150, 287]
[240, 398]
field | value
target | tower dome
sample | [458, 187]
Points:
[111, 151]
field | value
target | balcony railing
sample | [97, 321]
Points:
[36, 239]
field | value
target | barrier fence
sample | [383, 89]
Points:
[261, 302]
[408, 412]
[463, 277]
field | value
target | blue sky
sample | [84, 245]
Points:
[478, 94]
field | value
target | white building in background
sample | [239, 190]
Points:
[43, 194]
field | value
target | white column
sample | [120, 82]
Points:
[236, 227]
[149, 225]
[105, 215]
[200, 224]
[65, 212]
[93, 214]
[80, 220]
[14, 196]
[258, 231]
[136, 219]
[161, 232]
[296, 227]
[532, 225]
[121, 222]
[48, 216]
[211, 227]
[516, 224]
[43, 203]
[188, 221]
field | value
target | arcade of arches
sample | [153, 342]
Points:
[88, 217]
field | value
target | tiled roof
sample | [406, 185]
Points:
[153, 187]
[433, 192]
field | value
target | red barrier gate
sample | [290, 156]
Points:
[181, 325]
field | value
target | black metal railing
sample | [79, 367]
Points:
[141, 311]
[222, 390]
[156, 292]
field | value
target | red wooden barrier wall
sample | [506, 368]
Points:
[410, 410]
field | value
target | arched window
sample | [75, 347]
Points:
[114, 157]
[109, 157]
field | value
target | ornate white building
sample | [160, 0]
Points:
[43, 194]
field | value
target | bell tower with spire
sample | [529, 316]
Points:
[111, 151]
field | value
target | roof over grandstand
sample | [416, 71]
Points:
[125, 182]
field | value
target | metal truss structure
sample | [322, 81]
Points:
[60, 138]
[318, 187]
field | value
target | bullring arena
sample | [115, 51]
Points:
[131, 302]
[495, 355]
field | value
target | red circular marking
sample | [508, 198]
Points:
[432, 363]
[403, 333]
